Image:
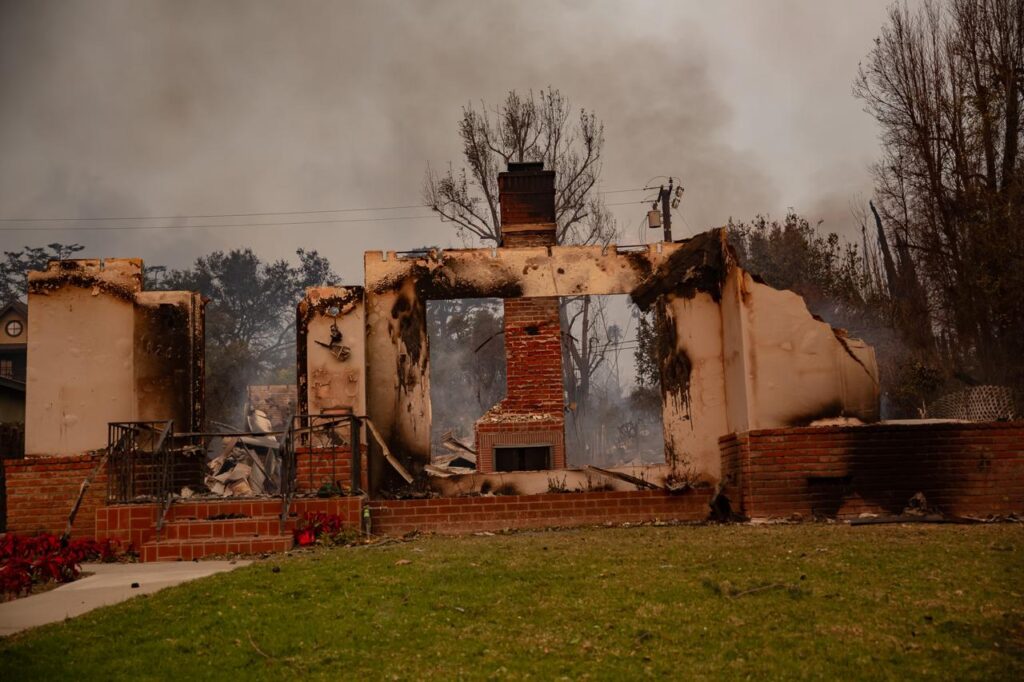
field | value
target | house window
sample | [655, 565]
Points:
[14, 328]
[7, 369]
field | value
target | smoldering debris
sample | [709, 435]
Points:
[243, 466]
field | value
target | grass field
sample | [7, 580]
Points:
[803, 601]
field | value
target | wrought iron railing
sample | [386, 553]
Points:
[138, 460]
[148, 462]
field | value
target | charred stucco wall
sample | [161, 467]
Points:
[397, 288]
[101, 350]
[81, 336]
[331, 370]
[795, 368]
[169, 357]
[735, 354]
[693, 381]
[741, 355]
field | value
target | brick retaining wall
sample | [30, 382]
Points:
[316, 466]
[974, 469]
[455, 515]
[42, 490]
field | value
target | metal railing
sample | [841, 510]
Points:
[148, 462]
[138, 460]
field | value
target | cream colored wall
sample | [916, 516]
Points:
[800, 370]
[334, 384]
[398, 376]
[758, 358]
[80, 370]
[736, 358]
[101, 350]
[538, 271]
[694, 419]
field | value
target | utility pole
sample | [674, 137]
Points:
[661, 215]
[666, 212]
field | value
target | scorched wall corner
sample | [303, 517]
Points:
[102, 350]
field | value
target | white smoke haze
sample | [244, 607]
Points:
[179, 108]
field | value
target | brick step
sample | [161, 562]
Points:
[187, 550]
[201, 529]
[253, 508]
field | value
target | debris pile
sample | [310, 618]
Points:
[459, 458]
[242, 466]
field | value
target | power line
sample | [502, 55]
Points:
[207, 215]
[211, 225]
[130, 228]
[246, 215]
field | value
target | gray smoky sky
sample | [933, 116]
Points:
[140, 108]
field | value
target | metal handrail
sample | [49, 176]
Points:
[166, 479]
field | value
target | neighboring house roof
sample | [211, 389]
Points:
[16, 306]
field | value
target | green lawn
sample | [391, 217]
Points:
[815, 600]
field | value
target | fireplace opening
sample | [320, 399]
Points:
[522, 457]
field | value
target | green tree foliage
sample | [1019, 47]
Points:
[792, 254]
[15, 266]
[250, 319]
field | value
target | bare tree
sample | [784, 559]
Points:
[536, 127]
[944, 82]
[531, 127]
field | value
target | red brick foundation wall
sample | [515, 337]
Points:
[455, 515]
[317, 466]
[42, 490]
[136, 523]
[962, 469]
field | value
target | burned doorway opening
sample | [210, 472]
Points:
[612, 383]
[467, 373]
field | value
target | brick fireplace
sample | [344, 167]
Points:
[526, 430]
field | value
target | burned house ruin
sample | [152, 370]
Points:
[763, 405]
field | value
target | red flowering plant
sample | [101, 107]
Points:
[323, 528]
[26, 561]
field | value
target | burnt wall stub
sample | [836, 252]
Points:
[169, 343]
[331, 365]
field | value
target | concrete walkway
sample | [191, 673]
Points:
[108, 584]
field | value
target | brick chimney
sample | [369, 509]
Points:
[526, 430]
[526, 193]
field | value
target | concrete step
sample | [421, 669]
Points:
[187, 550]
